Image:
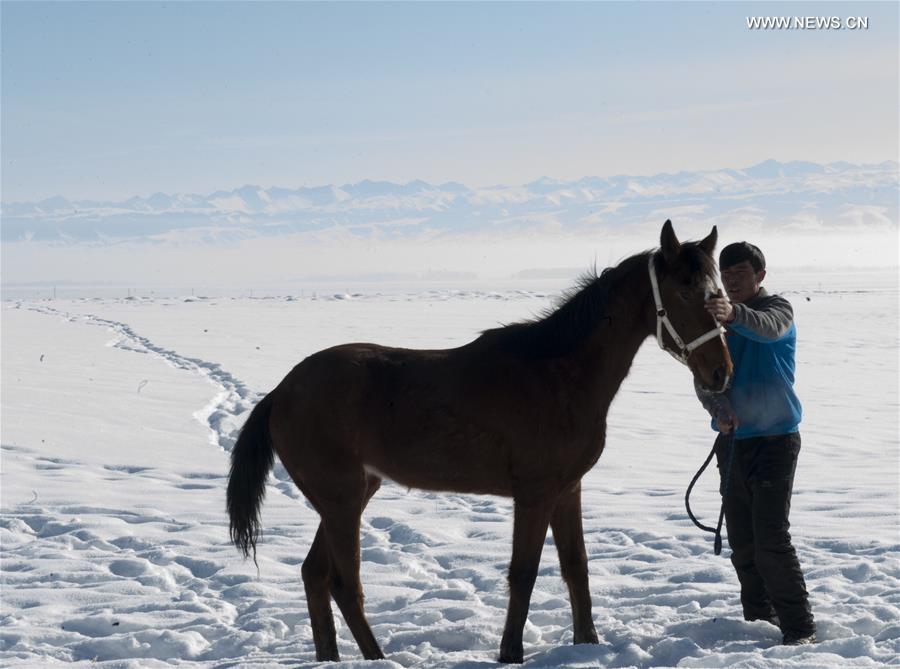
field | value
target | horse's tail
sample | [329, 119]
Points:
[252, 459]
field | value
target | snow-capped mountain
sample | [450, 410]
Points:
[804, 195]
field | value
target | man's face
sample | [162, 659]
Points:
[741, 281]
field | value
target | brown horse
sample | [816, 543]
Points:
[519, 412]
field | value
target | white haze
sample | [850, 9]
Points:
[289, 264]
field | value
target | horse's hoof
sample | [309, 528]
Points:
[512, 658]
[589, 637]
[328, 656]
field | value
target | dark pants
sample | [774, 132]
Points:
[756, 517]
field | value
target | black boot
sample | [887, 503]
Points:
[798, 638]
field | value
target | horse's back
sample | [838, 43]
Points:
[404, 413]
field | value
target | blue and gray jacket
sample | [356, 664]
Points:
[762, 340]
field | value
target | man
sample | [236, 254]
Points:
[764, 413]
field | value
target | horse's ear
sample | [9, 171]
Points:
[668, 242]
[709, 243]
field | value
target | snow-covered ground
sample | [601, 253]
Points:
[117, 416]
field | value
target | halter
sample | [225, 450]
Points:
[662, 318]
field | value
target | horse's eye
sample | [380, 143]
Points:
[685, 294]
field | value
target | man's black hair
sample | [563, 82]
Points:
[739, 252]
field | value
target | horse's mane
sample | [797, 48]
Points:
[563, 327]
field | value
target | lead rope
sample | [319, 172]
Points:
[729, 461]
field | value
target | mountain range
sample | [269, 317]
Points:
[802, 195]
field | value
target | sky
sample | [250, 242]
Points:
[111, 100]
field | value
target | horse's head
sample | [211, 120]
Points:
[685, 275]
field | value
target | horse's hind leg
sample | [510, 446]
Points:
[316, 575]
[341, 521]
[569, 537]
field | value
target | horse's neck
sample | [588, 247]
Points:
[610, 351]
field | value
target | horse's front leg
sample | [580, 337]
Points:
[569, 537]
[529, 532]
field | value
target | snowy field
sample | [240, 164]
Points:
[118, 415]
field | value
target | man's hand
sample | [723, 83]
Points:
[720, 308]
[726, 420]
